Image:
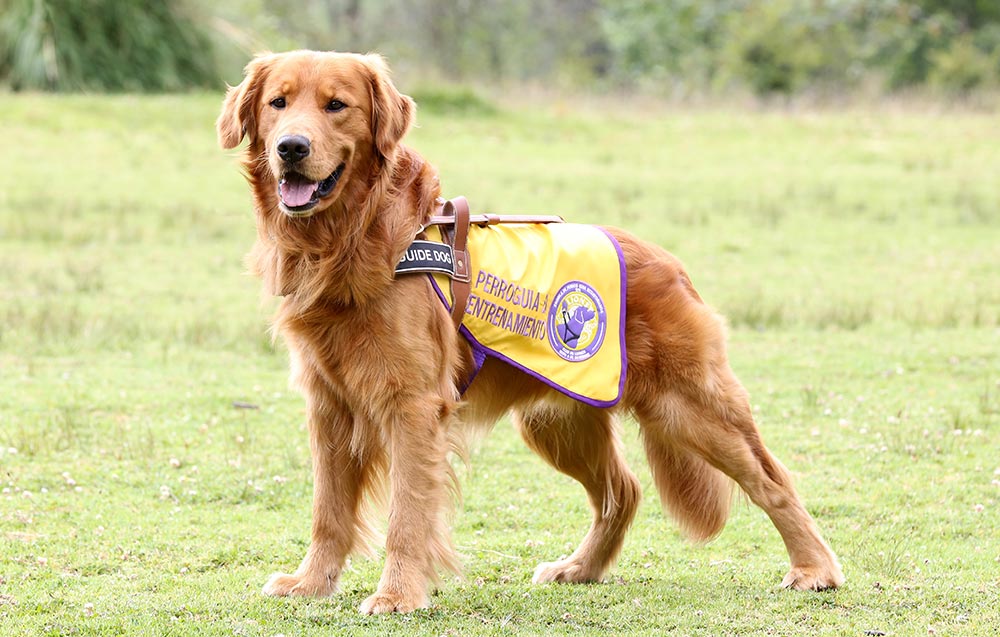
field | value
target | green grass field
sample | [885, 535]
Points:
[857, 256]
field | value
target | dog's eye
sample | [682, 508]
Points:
[278, 103]
[335, 106]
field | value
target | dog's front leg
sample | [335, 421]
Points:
[417, 540]
[341, 473]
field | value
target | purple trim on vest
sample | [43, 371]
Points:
[621, 325]
[480, 351]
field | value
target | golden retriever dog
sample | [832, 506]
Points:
[338, 199]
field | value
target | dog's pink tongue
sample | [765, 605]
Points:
[296, 190]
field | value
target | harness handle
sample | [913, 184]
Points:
[457, 210]
[455, 218]
[491, 220]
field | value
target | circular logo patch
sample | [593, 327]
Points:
[577, 322]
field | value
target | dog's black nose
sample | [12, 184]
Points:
[293, 148]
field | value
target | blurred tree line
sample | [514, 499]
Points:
[667, 47]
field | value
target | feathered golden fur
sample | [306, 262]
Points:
[379, 361]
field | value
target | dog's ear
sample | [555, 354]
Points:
[239, 109]
[392, 112]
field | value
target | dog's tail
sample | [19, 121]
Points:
[696, 495]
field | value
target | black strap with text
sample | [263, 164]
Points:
[427, 256]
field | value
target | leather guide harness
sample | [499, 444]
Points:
[452, 258]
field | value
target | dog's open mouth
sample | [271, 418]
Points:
[299, 194]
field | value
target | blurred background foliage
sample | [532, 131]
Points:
[674, 48]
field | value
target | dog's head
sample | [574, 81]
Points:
[314, 120]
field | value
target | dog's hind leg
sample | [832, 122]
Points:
[581, 442]
[716, 425]
[692, 410]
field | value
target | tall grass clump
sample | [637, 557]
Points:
[104, 45]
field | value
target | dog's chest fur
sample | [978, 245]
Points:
[388, 348]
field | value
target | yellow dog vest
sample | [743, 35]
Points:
[550, 300]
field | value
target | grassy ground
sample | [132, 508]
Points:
[857, 256]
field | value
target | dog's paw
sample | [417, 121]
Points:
[392, 602]
[282, 585]
[813, 578]
[564, 572]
